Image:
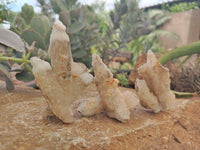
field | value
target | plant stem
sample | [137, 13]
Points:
[180, 65]
[17, 60]
[183, 94]
[29, 68]
[28, 55]
[179, 52]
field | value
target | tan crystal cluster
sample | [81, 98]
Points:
[111, 100]
[64, 81]
[154, 89]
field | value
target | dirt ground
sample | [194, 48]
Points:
[26, 123]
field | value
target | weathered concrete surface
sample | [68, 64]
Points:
[186, 25]
[26, 124]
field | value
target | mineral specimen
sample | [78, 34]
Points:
[154, 89]
[66, 80]
[111, 99]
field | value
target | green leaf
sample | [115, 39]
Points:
[27, 12]
[162, 21]
[12, 40]
[123, 81]
[40, 25]
[76, 27]
[9, 83]
[75, 40]
[30, 35]
[64, 16]
[76, 46]
[4, 70]
[47, 37]
[75, 14]
[46, 24]
[87, 15]
[55, 6]
[24, 76]
[59, 5]
[79, 53]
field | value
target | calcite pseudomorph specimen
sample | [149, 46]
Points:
[154, 87]
[111, 100]
[62, 83]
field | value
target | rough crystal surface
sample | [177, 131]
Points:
[62, 83]
[115, 103]
[154, 89]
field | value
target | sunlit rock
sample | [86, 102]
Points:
[154, 90]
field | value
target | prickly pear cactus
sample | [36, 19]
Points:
[81, 24]
[39, 32]
[27, 13]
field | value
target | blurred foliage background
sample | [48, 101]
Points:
[92, 29]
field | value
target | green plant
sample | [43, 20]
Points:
[128, 23]
[140, 23]
[27, 12]
[180, 7]
[109, 41]
[19, 21]
[46, 9]
[126, 65]
[61, 5]
[39, 31]
[12, 40]
[3, 12]
[189, 49]
[31, 26]
[148, 42]
[123, 81]
[81, 26]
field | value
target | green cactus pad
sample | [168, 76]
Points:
[76, 27]
[27, 12]
[64, 16]
[40, 25]
[47, 37]
[30, 35]
[75, 14]
[59, 5]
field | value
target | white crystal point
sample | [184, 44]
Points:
[58, 25]
[101, 71]
[60, 49]
[40, 65]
